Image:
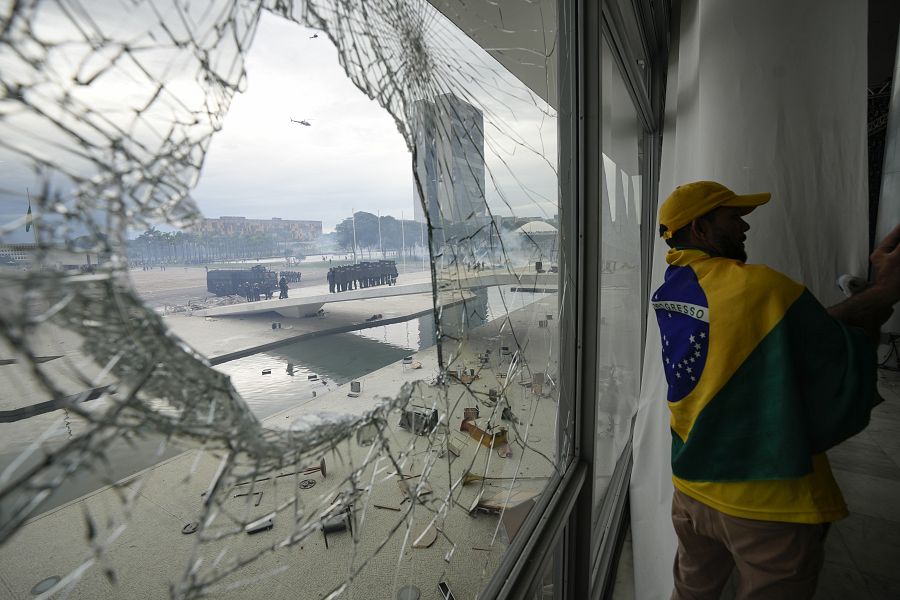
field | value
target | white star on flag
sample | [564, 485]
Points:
[702, 334]
[693, 378]
[692, 339]
[678, 375]
[689, 370]
[697, 346]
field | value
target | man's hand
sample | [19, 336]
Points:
[886, 265]
[871, 307]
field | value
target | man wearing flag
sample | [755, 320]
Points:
[762, 380]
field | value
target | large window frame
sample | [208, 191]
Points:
[559, 528]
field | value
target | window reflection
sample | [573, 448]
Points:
[620, 278]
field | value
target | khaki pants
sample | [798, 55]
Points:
[773, 560]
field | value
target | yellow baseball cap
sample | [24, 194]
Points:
[693, 200]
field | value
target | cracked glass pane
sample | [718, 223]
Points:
[281, 296]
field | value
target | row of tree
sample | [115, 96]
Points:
[158, 247]
[395, 234]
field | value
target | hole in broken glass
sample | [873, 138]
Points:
[484, 176]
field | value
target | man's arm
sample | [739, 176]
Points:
[870, 308]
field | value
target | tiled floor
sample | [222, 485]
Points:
[862, 555]
[863, 551]
[624, 586]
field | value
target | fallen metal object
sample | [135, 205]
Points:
[320, 469]
[190, 528]
[444, 589]
[338, 520]
[258, 495]
[420, 421]
[469, 477]
[263, 524]
[507, 415]
[307, 471]
[367, 434]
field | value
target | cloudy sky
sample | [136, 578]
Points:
[261, 165]
[352, 156]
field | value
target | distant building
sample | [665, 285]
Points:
[539, 239]
[27, 255]
[281, 229]
[19, 254]
[449, 139]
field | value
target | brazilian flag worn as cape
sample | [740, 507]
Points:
[760, 377]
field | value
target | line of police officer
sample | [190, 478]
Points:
[254, 292]
[362, 275]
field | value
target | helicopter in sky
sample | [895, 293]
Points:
[302, 122]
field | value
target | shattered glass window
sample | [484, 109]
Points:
[227, 372]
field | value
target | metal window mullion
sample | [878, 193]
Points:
[649, 194]
[653, 158]
[538, 537]
[536, 548]
[589, 40]
[613, 30]
[611, 522]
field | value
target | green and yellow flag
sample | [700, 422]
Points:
[761, 378]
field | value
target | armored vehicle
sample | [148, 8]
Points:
[228, 282]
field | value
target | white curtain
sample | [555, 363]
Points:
[763, 96]
[889, 202]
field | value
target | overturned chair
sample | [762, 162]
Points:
[339, 517]
[419, 420]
